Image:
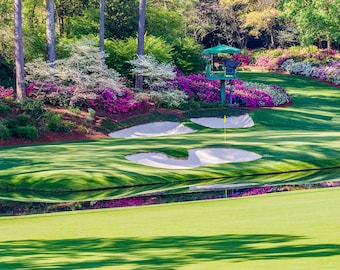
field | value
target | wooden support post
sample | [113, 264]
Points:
[223, 91]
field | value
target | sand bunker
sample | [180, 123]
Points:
[166, 128]
[152, 130]
[197, 157]
[242, 121]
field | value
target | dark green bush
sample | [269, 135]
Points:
[4, 132]
[26, 132]
[11, 123]
[54, 121]
[66, 126]
[120, 52]
[188, 55]
[34, 108]
[23, 120]
[4, 108]
[7, 77]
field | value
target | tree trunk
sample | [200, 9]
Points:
[141, 30]
[329, 45]
[19, 52]
[101, 22]
[50, 31]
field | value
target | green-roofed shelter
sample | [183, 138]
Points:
[219, 69]
[222, 49]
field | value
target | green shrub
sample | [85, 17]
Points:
[120, 52]
[4, 108]
[84, 24]
[53, 121]
[7, 77]
[4, 132]
[66, 126]
[83, 129]
[23, 120]
[34, 108]
[75, 110]
[301, 53]
[11, 123]
[187, 55]
[26, 132]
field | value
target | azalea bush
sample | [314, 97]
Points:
[172, 98]
[301, 68]
[6, 92]
[198, 88]
[243, 59]
[78, 75]
[112, 101]
[274, 58]
[260, 94]
[109, 100]
[327, 72]
[82, 79]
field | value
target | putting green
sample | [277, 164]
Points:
[291, 230]
[302, 137]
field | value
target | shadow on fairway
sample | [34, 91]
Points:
[166, 252]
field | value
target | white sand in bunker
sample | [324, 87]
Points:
[242, 121]
[197, 157]
[163, 128]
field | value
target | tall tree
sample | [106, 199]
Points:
[50, 31]
[141, 31]
[101, 23]
[315, 19]
[19, 52]
[257, 16]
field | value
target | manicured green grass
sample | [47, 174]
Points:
[282, 231]
[304, 136]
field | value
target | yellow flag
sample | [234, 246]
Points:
[225, 119]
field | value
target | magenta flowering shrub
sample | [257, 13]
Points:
[107, 99]
[330, 72]
[266, 61]
[111, 101]
[244, 59]
[252, 97]
[50, 93]
[6, 92]
[252, 191]
[198, 88]
[280, 60]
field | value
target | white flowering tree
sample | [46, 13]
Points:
[155, 74]
[78, 75]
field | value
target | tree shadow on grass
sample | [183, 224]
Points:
[160, 252]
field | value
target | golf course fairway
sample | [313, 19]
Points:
[289, 230]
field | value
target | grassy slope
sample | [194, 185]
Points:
[304, 136]
[294, 230]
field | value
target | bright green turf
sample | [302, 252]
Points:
[281, 231]
[301, 137]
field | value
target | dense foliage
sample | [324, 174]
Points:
[183, 26]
